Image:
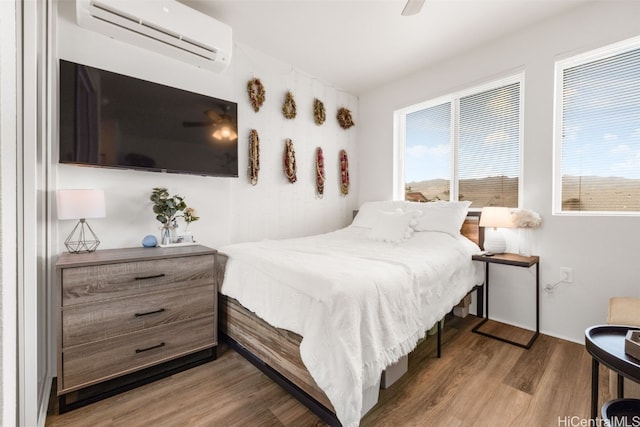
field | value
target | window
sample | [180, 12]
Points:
[597, 140]
[465, 146]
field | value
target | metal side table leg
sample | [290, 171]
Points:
[594, 388]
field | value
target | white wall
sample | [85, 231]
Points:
[230, 209]
[603, 251]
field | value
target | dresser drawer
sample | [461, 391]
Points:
[87, 364]
[100, 282]
[88, 323]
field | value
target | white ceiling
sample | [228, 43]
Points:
[356, 45]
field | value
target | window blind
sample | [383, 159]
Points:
[600, 152]
[427, 162]
[489, 147]
[467, 148]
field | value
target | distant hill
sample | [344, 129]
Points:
[492, 191]
[580, 193]
[597, 193]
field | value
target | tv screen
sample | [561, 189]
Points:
[111, 120]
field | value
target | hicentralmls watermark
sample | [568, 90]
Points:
[620, 421]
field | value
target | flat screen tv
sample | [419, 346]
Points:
[111, 120]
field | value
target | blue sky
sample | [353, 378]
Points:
[428, 147]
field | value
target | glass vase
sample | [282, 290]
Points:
[524, 241]
[165, 234]
[174, 231]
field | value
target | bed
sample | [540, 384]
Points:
[324, 315]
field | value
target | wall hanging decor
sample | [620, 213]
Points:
[289, 106]
[344, 173]
[319, 113]
[254, 156]
[290, 161]
[344, 118]
[319, 172]
[257, 94]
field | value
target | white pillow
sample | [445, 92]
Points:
[440, 216]
[368, 212]
[393, 227]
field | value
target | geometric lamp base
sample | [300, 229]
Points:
[82, 239]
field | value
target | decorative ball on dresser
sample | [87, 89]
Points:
[149, 241]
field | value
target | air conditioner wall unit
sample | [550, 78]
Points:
[164, 26]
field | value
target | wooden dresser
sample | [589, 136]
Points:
[128, 316]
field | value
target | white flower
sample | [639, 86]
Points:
[524, 218]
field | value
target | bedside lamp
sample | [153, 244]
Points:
[495, 217]
[80, 205]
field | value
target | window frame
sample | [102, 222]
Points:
[561, 65]
[399, 136]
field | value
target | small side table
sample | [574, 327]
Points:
[516, 261]
[605, 344]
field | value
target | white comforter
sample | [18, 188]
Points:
[359, 304]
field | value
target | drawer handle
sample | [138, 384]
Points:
[149, 312]
[142, 350]
[155, 276]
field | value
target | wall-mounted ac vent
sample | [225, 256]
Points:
[165, 26]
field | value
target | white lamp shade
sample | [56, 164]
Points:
[78, 204]
[493, 216]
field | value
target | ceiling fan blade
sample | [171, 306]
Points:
[412, 7]
[214, 116]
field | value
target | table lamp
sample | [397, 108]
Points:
[495, 217]
[80, 205]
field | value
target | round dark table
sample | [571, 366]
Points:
[605, 344]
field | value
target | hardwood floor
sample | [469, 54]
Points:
[477, 382]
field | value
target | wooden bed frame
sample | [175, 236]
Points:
[276, 352]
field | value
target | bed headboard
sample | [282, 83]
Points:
[471, 229]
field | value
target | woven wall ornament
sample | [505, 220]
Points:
[320, 177]
[289, 106]
[254, 156]
[319, 113]
[344, 173]
[344, 118]
[290, 161]
[256, 92]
